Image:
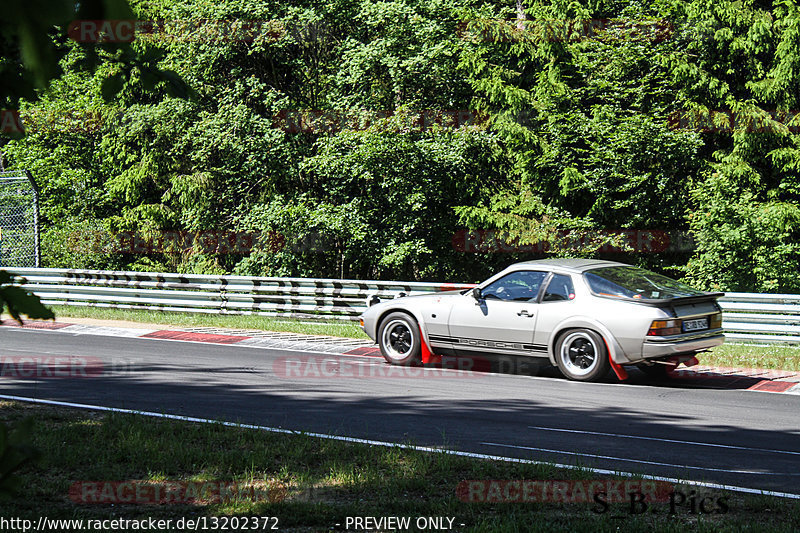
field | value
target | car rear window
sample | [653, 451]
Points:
[638, 283]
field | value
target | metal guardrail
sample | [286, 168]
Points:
[288, 297]
[747, 317]
[761, 318]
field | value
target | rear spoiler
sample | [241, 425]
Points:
[684, 300]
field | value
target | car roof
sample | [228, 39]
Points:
[568, 263]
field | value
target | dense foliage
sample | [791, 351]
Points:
[359, 138]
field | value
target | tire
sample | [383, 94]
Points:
[399, 339]
[581, 355]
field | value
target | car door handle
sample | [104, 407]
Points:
[524, 312]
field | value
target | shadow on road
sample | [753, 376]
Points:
[548, 419]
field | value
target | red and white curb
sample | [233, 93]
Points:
[751, 379]
[755, 379]
[208, 335]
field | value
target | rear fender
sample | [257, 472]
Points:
[615, 352]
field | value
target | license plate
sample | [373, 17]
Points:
[695, 325]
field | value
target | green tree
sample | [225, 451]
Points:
[747, 202]
[590, 116]
[379, 204]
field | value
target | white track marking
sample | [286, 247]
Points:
[641, 461]
[106, 331]
[406, 446]
[542, 428]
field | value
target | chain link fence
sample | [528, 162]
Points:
[19, 220]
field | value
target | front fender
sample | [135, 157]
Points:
[377, 313]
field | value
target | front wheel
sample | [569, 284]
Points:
[581, 355]
[399, 339]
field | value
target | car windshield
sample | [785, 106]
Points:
[633, 282]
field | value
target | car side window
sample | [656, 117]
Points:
[559, 289]
[520, 286]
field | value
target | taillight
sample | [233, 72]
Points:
[662, 328]
[715, 321]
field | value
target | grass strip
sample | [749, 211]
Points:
[322, 482]
[776, 357]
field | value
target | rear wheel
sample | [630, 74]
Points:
[581, 355]
[399, 339]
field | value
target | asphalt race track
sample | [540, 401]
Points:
[732, 437]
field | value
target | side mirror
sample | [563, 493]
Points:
[476, 293]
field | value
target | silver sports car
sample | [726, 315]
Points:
[584, 315]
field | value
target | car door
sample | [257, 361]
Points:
[557, 303]
[504, 318]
